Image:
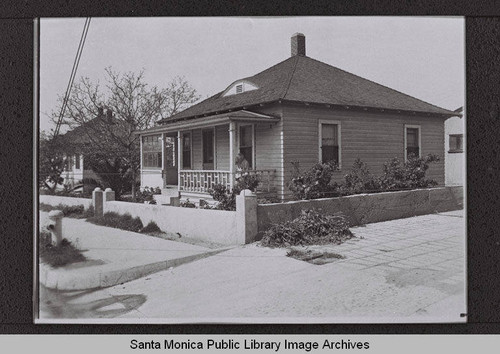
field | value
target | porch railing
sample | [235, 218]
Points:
[201, 181]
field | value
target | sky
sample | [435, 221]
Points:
[420, 56]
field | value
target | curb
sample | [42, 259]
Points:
[56, 280]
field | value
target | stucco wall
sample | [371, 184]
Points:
[210, 225]
[69, 201]
[367, 208]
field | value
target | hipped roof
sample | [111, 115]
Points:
[303, 79]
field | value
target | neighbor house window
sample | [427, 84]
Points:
[151, 151]
[329, 144]
[246, 143]
[412, 140]
[456, 143]
[239, 88]
[186, 150]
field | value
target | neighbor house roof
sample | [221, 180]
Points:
[303, 79]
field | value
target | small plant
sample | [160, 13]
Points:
[226, 198]
[58, 256]
[150, 228]
[311, 227]
[314, 183]
[118, 221]
[187, 204]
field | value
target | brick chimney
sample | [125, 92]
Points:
[298, 44]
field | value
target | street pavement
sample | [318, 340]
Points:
[406, 270]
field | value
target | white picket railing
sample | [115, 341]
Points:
[201, 181]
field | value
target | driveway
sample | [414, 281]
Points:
[407, 270]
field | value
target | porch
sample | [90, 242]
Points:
[192, 157]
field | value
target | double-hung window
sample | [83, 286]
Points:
[186, 150]
[412, 141]
[329, 142]
[246, 143]
[151, 151]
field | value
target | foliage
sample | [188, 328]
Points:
[226, 198]
[118, 221]
[187, 204]
[58, 256]
[70, 211]
[314, 183]
[108, 141]
[268, 200]
[311, 227]
[146, 195]
[408, 175]
[151, 227]
[359, 180]
[51, 163]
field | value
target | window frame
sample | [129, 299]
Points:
[339, 138]
[419, 128]
[455, 151]
[144, 167]
[252, 164]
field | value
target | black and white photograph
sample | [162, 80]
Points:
[251, 170]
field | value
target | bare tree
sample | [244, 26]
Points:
[131, 104]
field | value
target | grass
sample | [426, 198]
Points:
[118, 221]
[58, 256]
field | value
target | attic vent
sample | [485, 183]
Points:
[239, 86]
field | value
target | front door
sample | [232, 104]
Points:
[208, 149]
[171, 173]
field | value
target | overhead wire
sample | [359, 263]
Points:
[74, 69]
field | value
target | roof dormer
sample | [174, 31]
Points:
[238, 87]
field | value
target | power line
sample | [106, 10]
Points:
[73, 74]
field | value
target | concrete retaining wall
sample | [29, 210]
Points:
[367, 208]
[55, 200]
[210, 225]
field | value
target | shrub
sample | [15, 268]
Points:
[226, 198]
[124, 222]
[146, 195]
[73, 211]
[311, 227]
[58, 256]
[314, 183]
[151, 227]
[359, 180]
[409, 175]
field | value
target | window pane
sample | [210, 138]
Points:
[330, 154]
[456, 143]
[412, 137]
[208, 146]
[77, 161]
[246, 136]
[329, 134]
[247, 153]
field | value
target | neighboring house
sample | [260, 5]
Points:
[454, 146]
[296, 113]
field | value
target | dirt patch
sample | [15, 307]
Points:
[314, 256]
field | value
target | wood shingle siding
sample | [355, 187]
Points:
[373, 137]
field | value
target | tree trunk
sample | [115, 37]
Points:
[133, 183]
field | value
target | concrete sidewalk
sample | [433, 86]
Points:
[114, 256]
[407, 270]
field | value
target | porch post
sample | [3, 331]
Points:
[232, 152]
[179, 160]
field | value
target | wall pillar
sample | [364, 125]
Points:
[98, 202]
[246, 216]
[108, 196]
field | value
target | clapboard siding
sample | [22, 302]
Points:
[222, 147]
[373, 137]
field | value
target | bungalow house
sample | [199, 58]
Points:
[296, 113]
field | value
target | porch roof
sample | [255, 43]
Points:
[218, 119]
